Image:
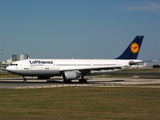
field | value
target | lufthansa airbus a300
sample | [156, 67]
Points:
[71, 69]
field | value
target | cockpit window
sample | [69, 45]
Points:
[14, 64]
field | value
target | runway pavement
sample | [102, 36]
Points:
[17, 83]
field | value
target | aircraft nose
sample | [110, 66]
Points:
[8, 68]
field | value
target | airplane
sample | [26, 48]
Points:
[70, 69]
[138, 66]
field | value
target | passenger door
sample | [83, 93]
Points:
[26, 66]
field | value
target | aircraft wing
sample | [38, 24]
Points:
[93, 68]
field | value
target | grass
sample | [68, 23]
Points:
[80, 103]
[9, 76]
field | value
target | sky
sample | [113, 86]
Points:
[79, 29]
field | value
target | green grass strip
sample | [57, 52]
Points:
[79, 103]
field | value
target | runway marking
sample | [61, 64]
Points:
[93, 85]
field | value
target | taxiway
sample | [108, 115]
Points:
[17, 83]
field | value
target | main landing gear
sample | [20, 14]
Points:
[24, 79]
[67, 81]
[82, 80]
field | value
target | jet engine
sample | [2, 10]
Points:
[70, 75]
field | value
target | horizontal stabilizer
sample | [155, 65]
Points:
[132, 62]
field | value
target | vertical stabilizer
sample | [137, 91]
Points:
[133, 49]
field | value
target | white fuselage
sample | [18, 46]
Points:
[54, 67]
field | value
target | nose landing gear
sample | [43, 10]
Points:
[24, 79]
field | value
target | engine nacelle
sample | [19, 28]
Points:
[70, 75]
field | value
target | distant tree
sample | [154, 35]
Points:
[156, 66]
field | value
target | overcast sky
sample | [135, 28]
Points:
[87, 29]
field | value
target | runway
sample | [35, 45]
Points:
[17, 83]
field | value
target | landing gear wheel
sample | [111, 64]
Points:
[67, 81]
[83, 81]
[25, 81]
